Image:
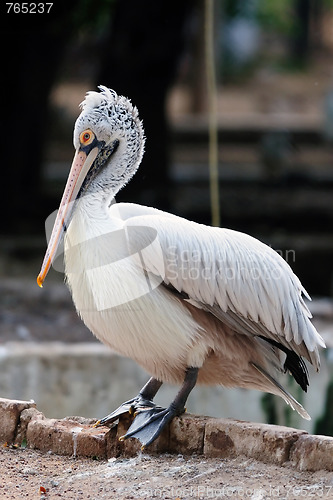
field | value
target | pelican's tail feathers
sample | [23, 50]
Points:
[280, 391]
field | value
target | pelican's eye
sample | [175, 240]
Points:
[86, 137]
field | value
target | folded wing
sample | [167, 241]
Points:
[243, 282]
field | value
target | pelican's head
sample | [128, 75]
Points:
[108, 127]
[109, 143]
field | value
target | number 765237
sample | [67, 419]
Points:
[29, 8]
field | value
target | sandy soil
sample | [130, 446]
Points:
[29, 474]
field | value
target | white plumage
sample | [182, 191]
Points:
[167, 292]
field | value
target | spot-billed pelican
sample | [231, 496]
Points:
[188, 302]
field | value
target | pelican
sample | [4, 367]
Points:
[188, 302]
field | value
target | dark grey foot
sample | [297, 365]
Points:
[148, 424]
[138, 403]
[143, 401]
[150, 419]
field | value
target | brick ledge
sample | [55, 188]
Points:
[189, 434]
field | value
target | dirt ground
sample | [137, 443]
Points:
[29, 474]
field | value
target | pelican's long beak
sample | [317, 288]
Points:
[79, 169]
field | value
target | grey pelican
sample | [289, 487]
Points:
[188, 302]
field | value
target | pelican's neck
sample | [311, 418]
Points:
[91, 217]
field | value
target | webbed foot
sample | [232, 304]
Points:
[150, 419]
[131, 406]
[148, 424]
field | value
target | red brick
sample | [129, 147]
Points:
[312, 453]
[10, 411]
[187, 434]
[65, 437]
[268, 443]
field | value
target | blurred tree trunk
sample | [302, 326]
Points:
[199, 83]
[140, 61]
[34, 47]
[317, 13]
[300, 42]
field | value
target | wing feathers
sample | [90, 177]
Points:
[279, 390]
[237, 278]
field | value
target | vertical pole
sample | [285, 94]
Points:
[212, 111]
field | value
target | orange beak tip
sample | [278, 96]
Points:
[40, 281]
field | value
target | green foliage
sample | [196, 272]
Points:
[324, 424]
[276, 15]
[93, 14]
[272, 15]
[268, 406]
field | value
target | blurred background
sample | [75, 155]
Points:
[275, 149]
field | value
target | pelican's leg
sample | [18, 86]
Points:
[144, 400]
[149, 423]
